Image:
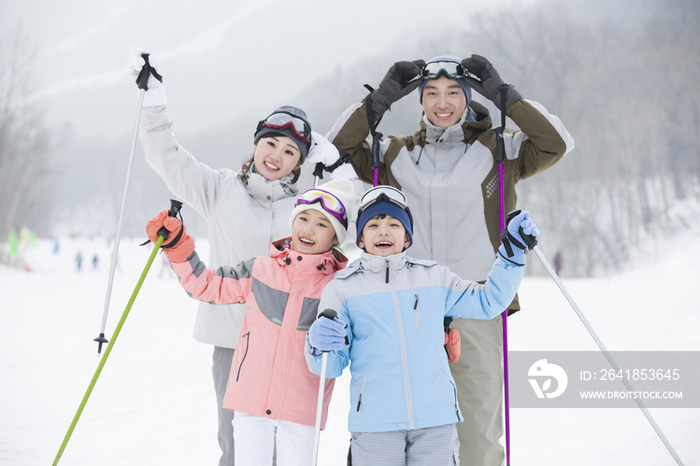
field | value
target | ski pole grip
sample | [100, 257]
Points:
[146, 72]
[375, 150]
[174, 211]
[318, 170]
[530, 241]
[331, 314]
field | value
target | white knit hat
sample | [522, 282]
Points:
[344, 191]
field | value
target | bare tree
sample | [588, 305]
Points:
[24, 141]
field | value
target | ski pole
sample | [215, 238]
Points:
[163, 234]
[330, 314]
[501, 160]
[606, 353]
[142, 81]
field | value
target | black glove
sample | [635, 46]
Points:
[397, 83]
[489, 82]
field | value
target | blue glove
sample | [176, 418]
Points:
[326, 334]
[513, 247]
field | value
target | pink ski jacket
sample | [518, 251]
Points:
[269, 376]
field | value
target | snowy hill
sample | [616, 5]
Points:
[154, 402]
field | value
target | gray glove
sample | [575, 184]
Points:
[489, 82]
[397, 83]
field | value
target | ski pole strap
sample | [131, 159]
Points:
[146, 71]
[338, 163]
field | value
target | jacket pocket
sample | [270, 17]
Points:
[359, 398]
[245, 336]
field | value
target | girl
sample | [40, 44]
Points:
[270, 388]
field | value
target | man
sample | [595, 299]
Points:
[448, 172]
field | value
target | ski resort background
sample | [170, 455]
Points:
[624, 211]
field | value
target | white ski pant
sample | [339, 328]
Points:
[433, 446]
[221, 368]
[479, 378]
[257, 437]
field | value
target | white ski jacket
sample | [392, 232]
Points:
[243, 215]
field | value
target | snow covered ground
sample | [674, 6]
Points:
[154, 402]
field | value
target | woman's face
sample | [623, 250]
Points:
[276, 157]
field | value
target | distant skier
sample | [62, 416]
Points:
[79, 260]
[245, 210]
[558, 262]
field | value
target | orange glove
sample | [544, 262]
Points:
[180, 245]
[453, 345]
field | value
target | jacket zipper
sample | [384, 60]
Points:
[416, 307]
[404, 354]
[454, 396]
[359, 398]
[247, 337]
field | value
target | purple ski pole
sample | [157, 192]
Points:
[500, 160]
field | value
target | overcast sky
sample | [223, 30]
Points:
[266, 49]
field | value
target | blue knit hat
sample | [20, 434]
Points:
[386, 208]
[463, 84]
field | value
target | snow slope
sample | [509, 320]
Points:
[154, 404]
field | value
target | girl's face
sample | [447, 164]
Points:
[383, 236]
[444, 101]
[276, 157]
[312, 233]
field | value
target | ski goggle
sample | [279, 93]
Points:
[281, 120]
[328, 201]
[387, 194]
[451, 69]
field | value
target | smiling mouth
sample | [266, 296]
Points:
[306, 241]
[270, 166]
[443, 115]
[384, 244]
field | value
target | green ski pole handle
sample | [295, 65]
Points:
[174, 209]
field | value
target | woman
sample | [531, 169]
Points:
[245, 210]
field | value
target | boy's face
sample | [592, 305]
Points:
[312, 233]
[444, 101]
[383, 236]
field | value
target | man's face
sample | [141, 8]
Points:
[444, 101]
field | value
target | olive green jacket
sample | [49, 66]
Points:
[450, 176]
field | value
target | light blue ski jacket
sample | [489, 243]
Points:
[394, 307]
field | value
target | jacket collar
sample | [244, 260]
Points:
[327, 263]
[474, 121]
[379, 264]
[266, 191]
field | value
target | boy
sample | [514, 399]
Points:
[269, 387]
[404, 406]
